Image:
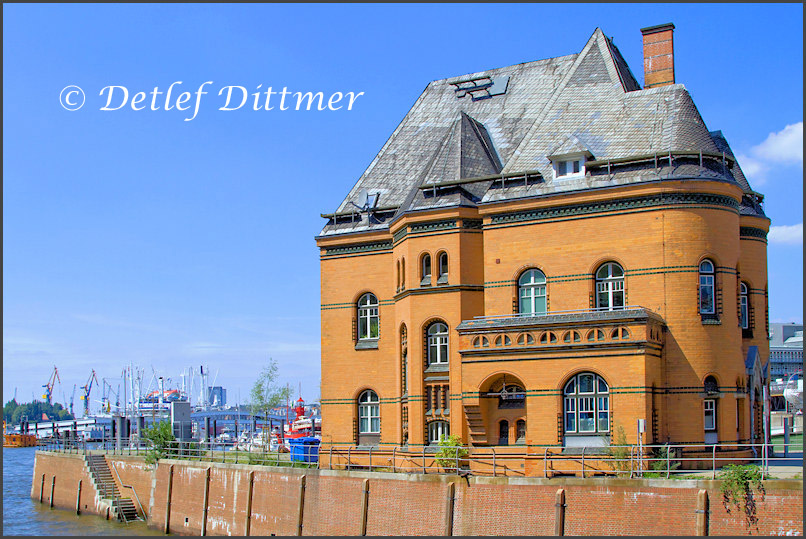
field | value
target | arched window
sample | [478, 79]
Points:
[710, 385]
[368, 317]
[369, 413]
[520, 431]
[610, 287]
[438, 429]
[425, 271]
[403, 273]
[442, 263]
[744, 313]
[596, 335]
[532, 292]
[586, 404]
[438, 344]
[503, 432]
[707, 296]
[398, 276]
[404, 363]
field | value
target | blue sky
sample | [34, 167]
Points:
[136, 236]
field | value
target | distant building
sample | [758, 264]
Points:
[217, 396]
[786, 349]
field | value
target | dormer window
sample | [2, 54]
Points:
[569, 168]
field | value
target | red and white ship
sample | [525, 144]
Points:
[302, 426]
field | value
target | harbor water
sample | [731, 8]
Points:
[24, 516]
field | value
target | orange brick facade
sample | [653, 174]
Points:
[655, 373]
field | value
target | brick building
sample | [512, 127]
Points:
[540, 254]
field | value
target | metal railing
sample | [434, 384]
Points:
[630, 461]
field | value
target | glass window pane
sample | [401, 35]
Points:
[602, 386]
[570, 388]
[540, 304]
[576, 166]
[604, 422]
[585, 383]
[562, 168]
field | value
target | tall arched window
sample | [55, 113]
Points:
[403, 273]
[438, 429]
[707, 296]
[610, 287]
[425, 270]
[437, 344]
[368, 317]
[398, 276]
[532, 292]
[442, 263]
[520, 431]
[744, 312]
[503, 432]
[404, 364]
[586, 404]
[369, 413]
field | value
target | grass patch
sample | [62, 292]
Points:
[795, 443]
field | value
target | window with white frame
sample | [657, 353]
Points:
[709, 414]
[368, 327]
[743, 307]
[437, 344]
[586, 405]
[707, 288]
[438, 429]
[569, 168]
[532, 292]
[369, 413]
[610, 287]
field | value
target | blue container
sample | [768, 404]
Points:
[305, 449]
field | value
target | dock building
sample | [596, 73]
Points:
[542, 254]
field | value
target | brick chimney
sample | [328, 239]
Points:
[658, 55]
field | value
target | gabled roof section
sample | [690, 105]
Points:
[571, 145]
[510, 120]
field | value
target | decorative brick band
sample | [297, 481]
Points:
[358, 248]
[752, 232]
[400, 234]
[663, 199]
[432, 226]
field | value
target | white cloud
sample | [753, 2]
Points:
[785, 146]
[786, 234]
[754, 169]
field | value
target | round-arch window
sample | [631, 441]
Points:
[532, 292]
[368, 317]
[610, 287]
[707, 287]
[438, 343]
[586, 404]
[369, 413]
[743, 307]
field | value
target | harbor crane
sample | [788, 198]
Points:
[51, 383]
[86, 396]
[72, 398]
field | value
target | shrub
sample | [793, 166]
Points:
[620, 456]
[450, 450]
[738, 483]
[159, 436]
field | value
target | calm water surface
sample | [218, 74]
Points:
[24, 516]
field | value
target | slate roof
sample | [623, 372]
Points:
[510, 120]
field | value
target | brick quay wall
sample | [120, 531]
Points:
[235, 499]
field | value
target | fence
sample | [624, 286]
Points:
[629, 461]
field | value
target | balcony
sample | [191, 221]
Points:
[560, 329]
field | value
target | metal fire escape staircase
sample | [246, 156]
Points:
[123, 508]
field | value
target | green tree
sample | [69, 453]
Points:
[159, 436]
[266, 394]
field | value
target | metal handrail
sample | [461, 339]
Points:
[114, 468]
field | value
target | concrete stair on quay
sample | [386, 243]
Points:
[122, 507]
